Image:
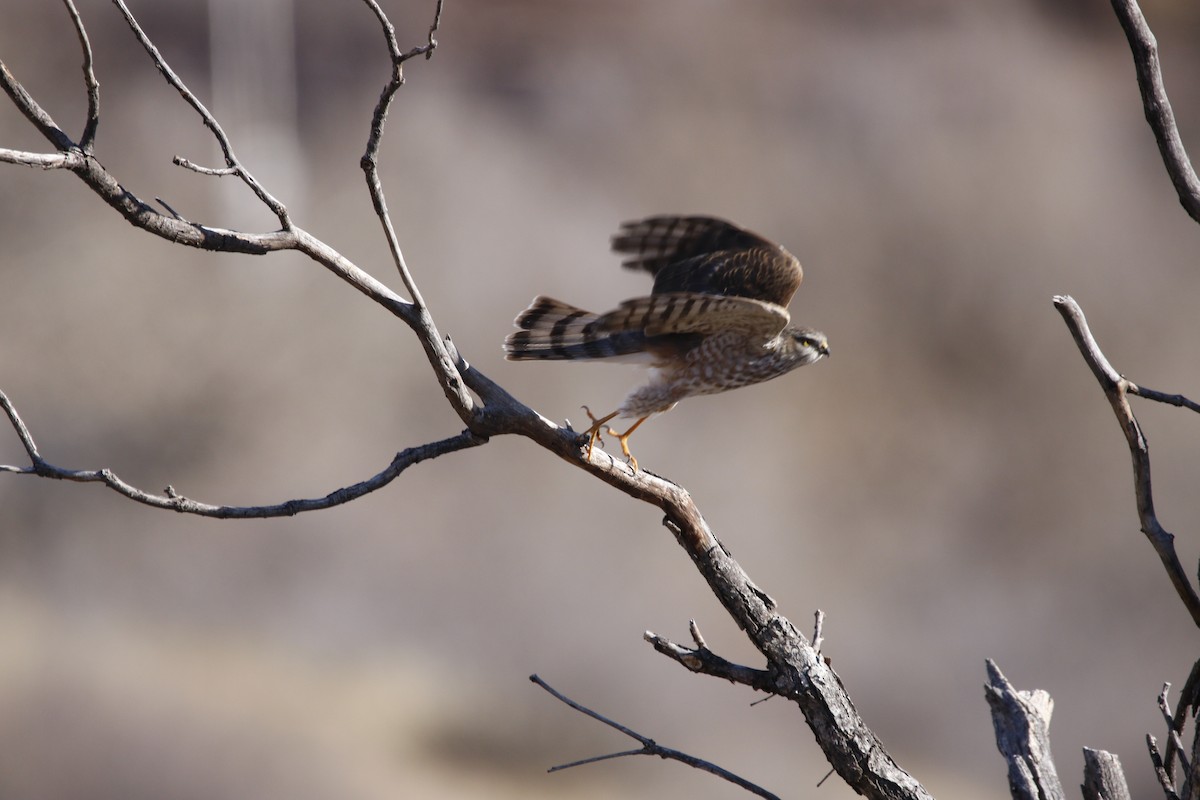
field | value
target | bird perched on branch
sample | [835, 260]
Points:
[715, 320]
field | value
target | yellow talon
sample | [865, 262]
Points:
[623, 438]
[593, 433]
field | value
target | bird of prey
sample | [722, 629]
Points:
[715, 320]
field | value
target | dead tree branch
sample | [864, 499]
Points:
[172, 500]
[1022, 723]
[1116, 388]
[649, 747]
[1103, 778]
[704, 661]
[1157, 106]
[210, 122]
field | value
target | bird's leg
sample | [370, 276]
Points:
[623, 438]
[593, 433]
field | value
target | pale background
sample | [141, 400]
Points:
[949, 486]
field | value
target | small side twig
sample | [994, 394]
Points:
[697, 637]
[1162, 397]
[88, 139]
[649, 747]
[1116, 389]
[210, 122]
[180, 161]
[818, 634]
[705, 662]
[1160, 770]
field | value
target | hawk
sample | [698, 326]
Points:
[715, 320]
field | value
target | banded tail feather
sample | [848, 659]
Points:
[553, 330]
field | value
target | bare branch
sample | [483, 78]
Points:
[1022, 723]
[69, 160]
[1157, 105]
[649, 747]
[1103, 778]
[370, 159]
[22, 433]
[1160, 770]
[1115, 389]
[210, 121]
[799, 672]
[88, 138]
[444, 364]
[694, 630]
[174, 501]
[704, 661]
[219, 172]
[32, 111]
[1162, 397]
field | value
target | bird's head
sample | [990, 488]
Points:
[808, 345]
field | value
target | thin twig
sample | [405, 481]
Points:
[446, 365]
[370, 158]
[818, 633]
[1162, 397]
[88, 139]
[1116, 389]
[1157, 106]
[649, 747]
[430, 42]
[1160, 770]
[1174, 742]
[231, 160]
[697, 637]
[174, 501]
[180, 161]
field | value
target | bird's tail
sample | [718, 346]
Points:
[553, 330]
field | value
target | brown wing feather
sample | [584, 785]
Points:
[655, 242]
[691, 313]
[709, 256]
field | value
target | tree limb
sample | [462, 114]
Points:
[649, 747]
[1157, 106]
[174, 501]
[1116, 387]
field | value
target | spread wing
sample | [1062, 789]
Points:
[706, 255]
[688, 312]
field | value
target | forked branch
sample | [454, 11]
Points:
[1116, 389]
[649, 747]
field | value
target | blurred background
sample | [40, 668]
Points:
[950, 486]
